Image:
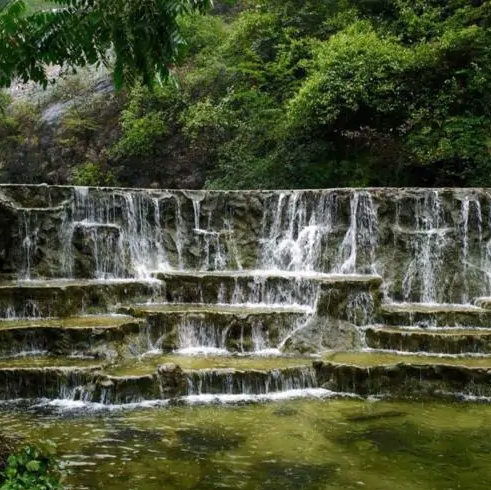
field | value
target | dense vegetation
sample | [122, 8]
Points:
[33, 468]
[286, 93]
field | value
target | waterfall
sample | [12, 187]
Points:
[29, 232]
[408, 236]
[244, 278]
[293, 234]
[358, 245]
[198, 337]
[231, 381]
[427, 244]
[121, 229]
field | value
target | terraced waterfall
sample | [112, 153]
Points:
[118, 296]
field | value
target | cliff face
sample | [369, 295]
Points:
[429, 245]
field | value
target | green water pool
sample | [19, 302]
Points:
[292, 445]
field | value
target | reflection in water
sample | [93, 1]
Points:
[295, 445]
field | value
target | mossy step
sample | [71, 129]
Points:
[435, 315]
[265, 287]
[188, 308]
[227, 328]
[74, 322]
[373, 359]
[444, 341]
[169, 380]
[72, 283]
[94, 336]
[382, 374]
[63, 298]
[49, 362]
[149, 364]
[271, 274]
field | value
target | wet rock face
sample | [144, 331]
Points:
[64, 300]
[241, 332]
[97, 342]
[323, 333]
[33, 383]
[253, 381]
[405, 380]
[428, 245]
[172, 381]
[417, 341]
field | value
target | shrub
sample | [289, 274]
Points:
[33, 468]
[91, 174]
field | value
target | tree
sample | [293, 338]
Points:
[143, 36]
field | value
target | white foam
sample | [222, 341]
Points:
[202, 350]
[274, 396]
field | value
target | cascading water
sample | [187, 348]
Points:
[133, 233]
[232, 382]
[243, 274]
[197, 337]
[357, 249]
[29, 231]
[295, 231]
[426, 242]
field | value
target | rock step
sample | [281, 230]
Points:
[46, 382]
[404, 376]
[158, 379]
[64, 298]
[440, 341]
[226, 328]
[376, 358]
[248, 381]
[43, 361]
[150, 363]
[170, 381]
[258, 274]
[90, 336]
[73, 379]
[435, 315]
[61, 298]
[268, 287]
[220, 309]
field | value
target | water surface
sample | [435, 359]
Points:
[293, 445]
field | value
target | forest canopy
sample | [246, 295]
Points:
[306, 93]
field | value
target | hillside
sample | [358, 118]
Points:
[279, 93]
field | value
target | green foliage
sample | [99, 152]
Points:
[144, 35]
[143, 123]
[33, 468]
[288, 93]
[91, 174]
[358, 75]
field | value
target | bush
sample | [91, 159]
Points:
[91, 174]
[33, 468]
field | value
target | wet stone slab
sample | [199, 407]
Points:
[92, 336]
[435, 315]
[447, 341]
[64, 298]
